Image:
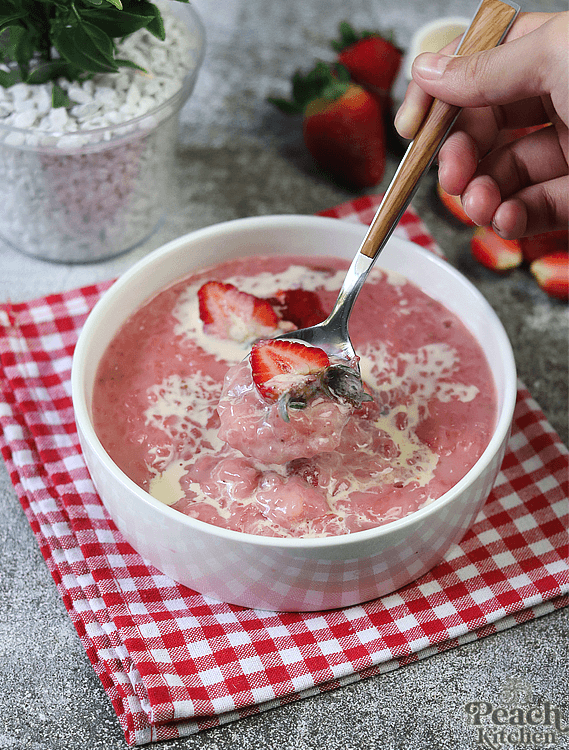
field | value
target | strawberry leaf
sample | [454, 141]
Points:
[348, 36]
[285, 105]
[322, 81]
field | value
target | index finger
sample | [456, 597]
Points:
[417, 101]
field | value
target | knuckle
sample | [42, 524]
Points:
[474, 73]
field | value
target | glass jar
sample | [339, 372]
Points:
[95, 193]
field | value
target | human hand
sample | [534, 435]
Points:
[521, 187]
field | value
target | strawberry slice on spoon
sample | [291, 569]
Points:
[293, 373]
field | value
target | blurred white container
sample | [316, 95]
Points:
[432, 37]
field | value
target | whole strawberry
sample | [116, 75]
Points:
[372, 60]
[342, 124]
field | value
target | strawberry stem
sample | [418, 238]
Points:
[323, 81]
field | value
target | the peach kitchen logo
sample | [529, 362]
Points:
[518, 719]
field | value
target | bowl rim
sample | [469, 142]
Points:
[86, 429]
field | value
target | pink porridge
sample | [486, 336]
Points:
[217, 449]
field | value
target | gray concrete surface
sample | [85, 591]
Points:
[238, 157]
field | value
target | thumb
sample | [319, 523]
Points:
[509, 73]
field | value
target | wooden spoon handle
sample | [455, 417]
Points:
[489, 26]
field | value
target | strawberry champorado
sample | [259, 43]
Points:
[193, 417]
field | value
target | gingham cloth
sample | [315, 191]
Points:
[174, 662]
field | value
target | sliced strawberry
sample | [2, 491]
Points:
[453, 205]
[372, 60]
[493, 251]
[552, 274]
[299, 306]
[279, 365]
[545, 243]
[228, 313]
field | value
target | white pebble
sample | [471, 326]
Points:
[133, 95]
[24, 105]
[171, 87]
[15, 139]
[153, 86]
[93, 123]
[71, 141]
[58, 118]
[32, 138]
[106, 96]
[25, 119]
[45, 123]
[88, 87]
[122, 82]
[77, 94]
[145, 104]
[19, 92]
[85, 111]
[42, 100]
[159, 56]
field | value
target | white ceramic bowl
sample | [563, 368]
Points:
[274, 573]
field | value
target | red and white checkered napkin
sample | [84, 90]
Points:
[174, 662]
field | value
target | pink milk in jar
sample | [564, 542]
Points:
[332, 469]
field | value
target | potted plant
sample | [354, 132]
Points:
[90, 92]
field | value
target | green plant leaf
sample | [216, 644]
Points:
[78, 34]
[156, 25]
[118, 23]
[129, 64]
[59, 97]
[9, 79]
[20, 46]
[10, 18]
[85, 45]
[53, 69]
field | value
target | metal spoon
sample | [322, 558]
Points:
[487, 29]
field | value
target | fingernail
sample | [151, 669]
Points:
[430, 65]
[466, 203]
[407, 120]
[497, 228]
